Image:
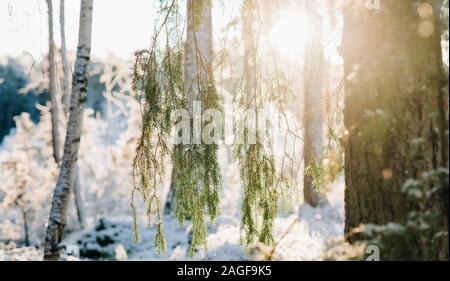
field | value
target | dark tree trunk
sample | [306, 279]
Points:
[25, 227]
[391, 109]
[169, 206]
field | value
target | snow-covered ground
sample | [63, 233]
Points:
[112, 238]
[105, 173]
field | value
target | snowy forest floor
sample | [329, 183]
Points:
[106, 192]
[112, 238]
[105, 171]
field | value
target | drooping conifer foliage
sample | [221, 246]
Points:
[171, 76]
[247, 130]
[197, 171]
[158, 80]
[263, 180]
[165, 87]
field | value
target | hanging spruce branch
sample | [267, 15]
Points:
[197, 171]
[256, 159]
[268, 178]
[158, 80]
[165, 87]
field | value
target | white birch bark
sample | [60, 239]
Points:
[312, 112]
[66, 105]
[56, 143]
[250, 52]
[58, 212]
[198, 48]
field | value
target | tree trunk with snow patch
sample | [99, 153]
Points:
[58, 212]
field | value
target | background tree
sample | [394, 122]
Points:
[312, 110]
[64, 184]
[53, 94]
[393, 112]
[13, 78]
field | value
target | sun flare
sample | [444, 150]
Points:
[290, 33]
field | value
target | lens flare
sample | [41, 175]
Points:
[289, 34]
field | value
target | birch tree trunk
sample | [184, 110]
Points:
[66, 106]
[52, 87]
[58, 216]
[198, 49]
[249, 18]
[312, 111]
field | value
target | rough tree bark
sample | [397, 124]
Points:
[391, 109]
[66, 106]
[312, 112]
[56, 143]
[58, 216]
